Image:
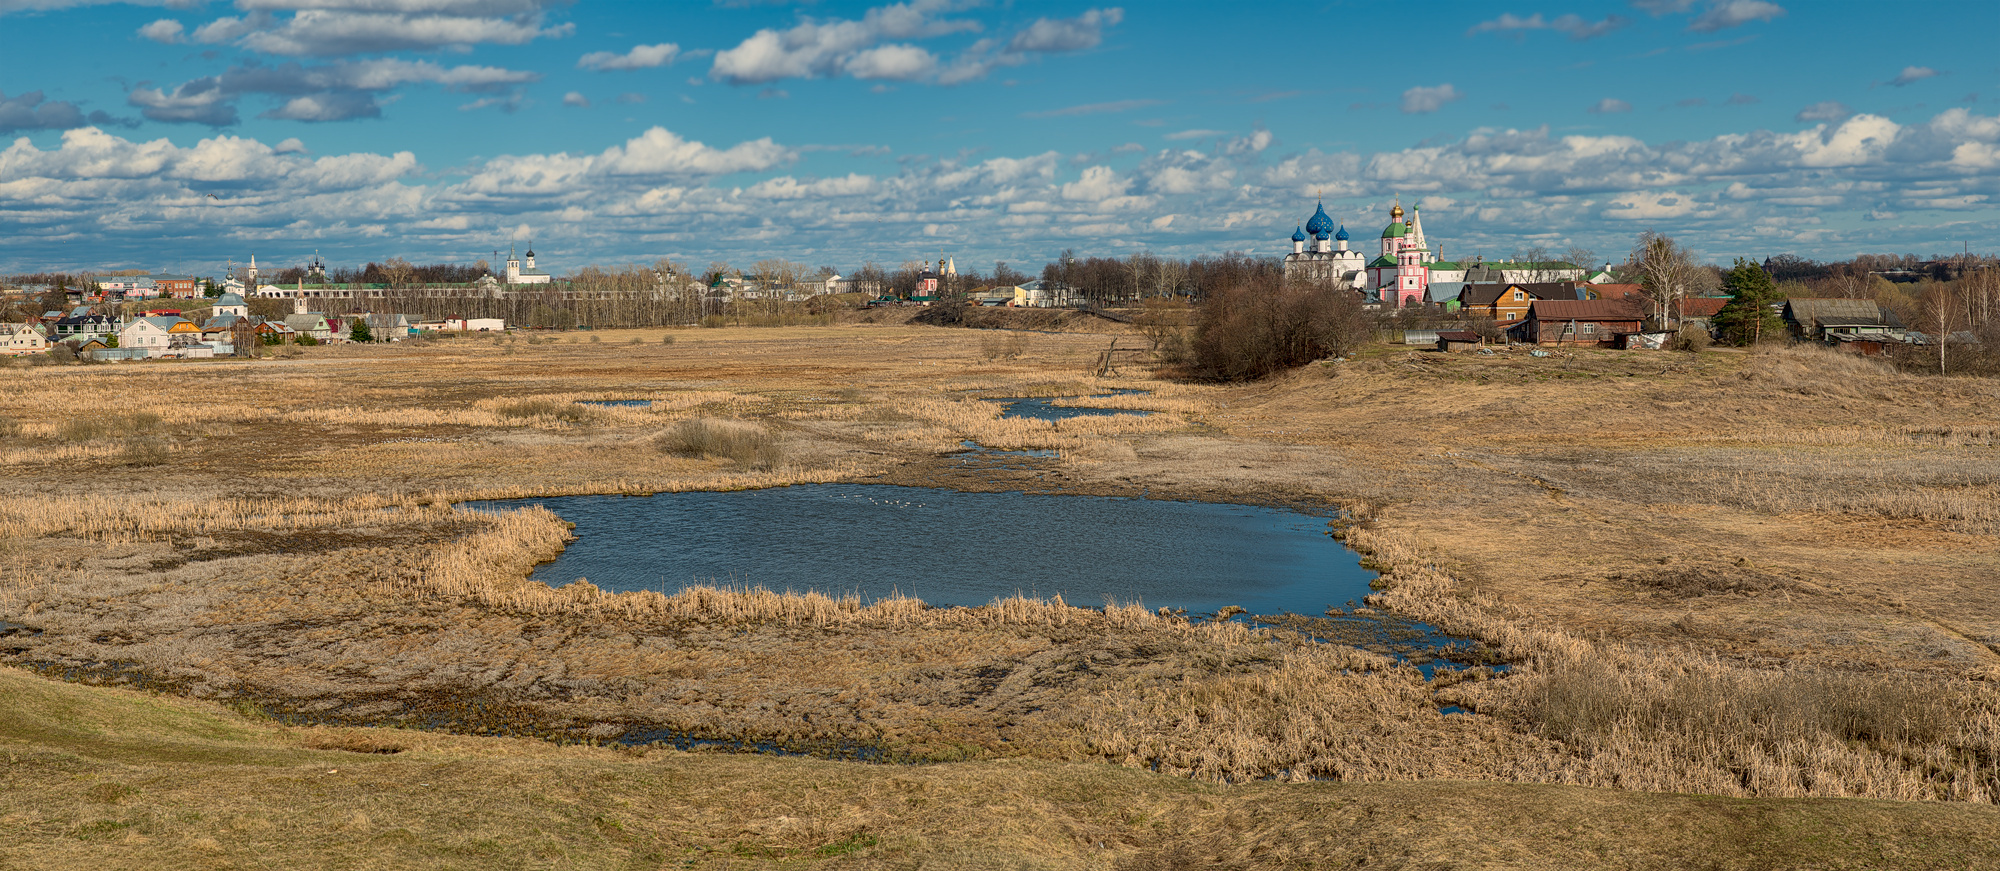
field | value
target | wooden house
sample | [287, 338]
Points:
[1580, 321]
[1507, 303]
[1821, 319]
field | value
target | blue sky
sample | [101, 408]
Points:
[180, 134]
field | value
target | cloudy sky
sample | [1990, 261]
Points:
[179, 133]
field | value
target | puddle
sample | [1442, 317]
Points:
[1044, 408]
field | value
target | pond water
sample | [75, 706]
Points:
[1045, 409]
[953, 548]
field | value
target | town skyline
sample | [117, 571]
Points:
[843, 133]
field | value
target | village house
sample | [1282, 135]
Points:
[1699, 311]
[276, 333]
[82, 323]
[153, 334]
[1827, 319]
[1507, 304]
[1580, 321]
[18, 340]
[388, 327]
[312, 324]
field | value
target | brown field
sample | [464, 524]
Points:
[1766, 576]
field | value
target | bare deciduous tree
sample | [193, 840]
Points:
[1943, 314]
[1667, 269]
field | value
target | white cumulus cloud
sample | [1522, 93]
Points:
[639, 58]
[165, 30]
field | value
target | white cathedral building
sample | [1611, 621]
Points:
[1330, 261]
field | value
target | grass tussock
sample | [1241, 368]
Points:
[1674, 721]
[747, 444]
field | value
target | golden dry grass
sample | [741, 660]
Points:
[1750, 575]
[109, 779]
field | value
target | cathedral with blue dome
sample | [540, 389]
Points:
[1328, 261]
[1407, 271]
[1401, 274]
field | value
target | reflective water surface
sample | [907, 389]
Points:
[1045, 409]
[952, 548]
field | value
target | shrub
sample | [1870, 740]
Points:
[667, 339]
[9, 428]
[997, 347]
[743, 442]
[1691, 338]
[1264, 325]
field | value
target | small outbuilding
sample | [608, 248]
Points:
[1459, 340]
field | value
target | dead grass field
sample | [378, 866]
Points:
[1760, 575]
[113, 779]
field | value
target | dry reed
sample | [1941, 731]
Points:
[745, 443]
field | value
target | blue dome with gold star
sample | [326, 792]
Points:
[1298, 235]
[1319, 223]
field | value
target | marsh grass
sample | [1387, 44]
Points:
[1675, 720]
[549, 409]
[1008, 345]
[1221, 702]
[747, 444]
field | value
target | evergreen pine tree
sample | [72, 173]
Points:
[1748, 318]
